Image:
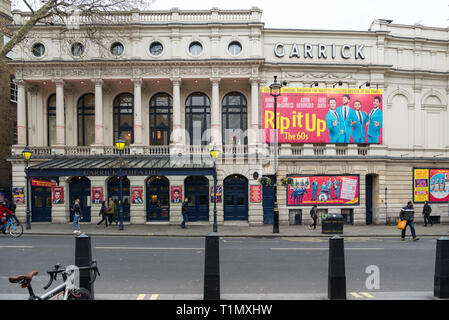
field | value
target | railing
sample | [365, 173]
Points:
[297, 150]
[156, 150]
[362, 151]
[235, 150]
[341, 150]
[41, 151]
[108, 150]
[73, 151]
[319, 150]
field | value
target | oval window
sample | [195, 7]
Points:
[38, 50]
[156, 48]
[195, 48]
[77, 49]
[117, 49]
[235, 48]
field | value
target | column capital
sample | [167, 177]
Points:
[59, 82]
[254, 81]
[20, 82]
[32, 89]
[97, 81]
[137, 81]
[176, 80]
[215, 80]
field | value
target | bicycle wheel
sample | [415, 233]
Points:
[15, 230]
[79, 294]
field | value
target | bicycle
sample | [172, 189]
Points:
[15, 229]
[68, 288]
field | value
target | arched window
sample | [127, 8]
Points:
[234, 119]
[124, 117]
[198, 118]
[51, 120]
[161, 123]
[86, 120]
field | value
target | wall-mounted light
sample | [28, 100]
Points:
[366, 83]
[314, 84]
[340, 83]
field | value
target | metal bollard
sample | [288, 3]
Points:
[441, 279]
[212, 268]
[337, 275]
[83, 257]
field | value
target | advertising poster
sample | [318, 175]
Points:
[136, 195]
[42, 183]
[324, 115]
[439, 185]
[97, 195]
[58, 195]
[176, 194]
[420, 185]
[18, 195]
[323, 190]
[219, 193]
[256, 193]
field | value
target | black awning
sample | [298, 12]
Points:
[126, 166]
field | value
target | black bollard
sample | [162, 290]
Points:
[441, 279]
[212, 268]
[337, 275]
[83, 257]
[275, 218]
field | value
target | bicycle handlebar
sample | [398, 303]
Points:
[53, 273]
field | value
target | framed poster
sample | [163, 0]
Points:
[420, 185]
[256, 193]
[97, 195]
[439, 185]
[323, 190]
[219, 194]
[58, 195]
[176, 194]
[136, 195]
[18, 195]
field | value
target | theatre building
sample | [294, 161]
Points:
[175, 84]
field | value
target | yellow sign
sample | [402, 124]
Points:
[420, 185]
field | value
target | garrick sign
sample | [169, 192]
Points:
[320, 51]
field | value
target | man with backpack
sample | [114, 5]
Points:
[427, 209]
[314, 216]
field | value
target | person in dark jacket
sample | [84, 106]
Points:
[185, 205]
[408, 213]
[103, 214]
[427, 209]
[314, 216]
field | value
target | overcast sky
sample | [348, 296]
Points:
[328, 14]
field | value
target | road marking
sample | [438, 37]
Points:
[154, 297]
[18, 247]
[141, 296]
[355, 294]
[144, 248]
[311, 249]
[366, 294]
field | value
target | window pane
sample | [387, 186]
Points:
[52, 130]
[89, 132]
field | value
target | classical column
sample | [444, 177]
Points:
[137, 111]
[99, 139]
[418, 136]
[254, 133]
[60, 123]
[215, 112]
[21, 113]
[177, 134]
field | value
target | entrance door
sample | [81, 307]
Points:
[268, 202]
[369, 199]
[158, 195]
[114, 193]
[197, 190]
[40, 204]
[80, 188]
[235, 198]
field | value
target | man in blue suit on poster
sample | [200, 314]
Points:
[375, 118]
[347, 114]
[334, 123]
[314, 190]
[359, 123]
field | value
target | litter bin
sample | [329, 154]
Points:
[332, 224]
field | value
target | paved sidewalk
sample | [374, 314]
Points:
[201, 230]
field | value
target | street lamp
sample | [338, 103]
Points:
[120, 144]
[26, 155]
[275, 91]
[214, 154]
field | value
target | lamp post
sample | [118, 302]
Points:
[26, 155]
[120, 144]
[275, 91]
[214, 154]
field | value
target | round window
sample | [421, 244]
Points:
[156, 48]
[77, 49]
[117, 49]
[195, 48]
[38, 49]
[235, 48]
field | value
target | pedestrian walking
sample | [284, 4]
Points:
[314, 216]
[104, 214]
[427, 209]
[116, 208]
[407, 214]
[110, 211]
[184, 209]
[77, 215]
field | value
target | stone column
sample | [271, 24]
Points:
[253, 136]
[99, 139]
[418, 139]
[138, 146]
[215, 113]
[177, 135]
[21, 114]
[60, 119]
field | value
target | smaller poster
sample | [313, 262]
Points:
[219, 193]
[18, 195]
[97, 195]
[256, 193]
[176, 194]
[420, 185]
[136, 195]
[439, 185]
[58, 195]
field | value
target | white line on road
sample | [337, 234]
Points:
[18, 247]
[311, 249]
[144, 248]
